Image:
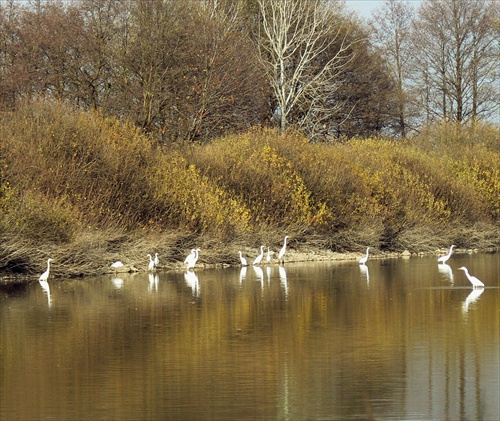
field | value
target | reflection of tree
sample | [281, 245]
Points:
[322, 351]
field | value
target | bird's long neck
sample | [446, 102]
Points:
[48, 265]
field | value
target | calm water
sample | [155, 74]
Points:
[399, 340]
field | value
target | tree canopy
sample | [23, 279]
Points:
[185, 70]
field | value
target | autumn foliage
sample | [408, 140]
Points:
[65, 174]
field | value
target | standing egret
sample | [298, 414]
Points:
[258, 259]
[197, 256]
[45, 275]
[243, 260]
[116, 265]
[151, 264]
[444, 259]
[476, 283]
[268, 257]
[282, 251]
[190, 256]
[364, 259]
[192, 259]
[157, 260]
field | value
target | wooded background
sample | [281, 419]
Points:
[185, 70]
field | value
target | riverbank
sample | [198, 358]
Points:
[70, 262]
[87, 191]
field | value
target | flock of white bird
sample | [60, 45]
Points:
[193, 256]
[476, 283]
[260, 257]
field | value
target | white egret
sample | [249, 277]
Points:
[282, 252]
[116, 265]
[243, 260]
[45, 275]
[151, 264]
[476, 283]
[268, 257]
[192, 258]
[364, 259]
[197, 256]
[157, 260]
[190, 255]
[444, 259]
[258, 259]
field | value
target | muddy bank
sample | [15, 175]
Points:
[207, 259]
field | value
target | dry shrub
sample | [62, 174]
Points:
[191, 201]
[251, 168]
[95, 163]
[68, 176]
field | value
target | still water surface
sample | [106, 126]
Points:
[400, 339]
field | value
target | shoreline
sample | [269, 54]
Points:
[11, 280]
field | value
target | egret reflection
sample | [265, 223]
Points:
[471, 298]
[268, 274]
[192, 281]
[283, 279]
[117, 282]
[46, 289]
[259, 274]
[365, 273]
[153, 282]
[446, 271]
[243, 274]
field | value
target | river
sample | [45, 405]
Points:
[397, 339]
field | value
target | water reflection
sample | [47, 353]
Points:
[117, 282]
[259, 274]
[471, 298]
[283, 279]
[154, 279]
[46, 290]
[243, 274]
[365, 273]
[446, 271]
[315, 343]
[192, 281]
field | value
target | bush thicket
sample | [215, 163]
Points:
[66, 174]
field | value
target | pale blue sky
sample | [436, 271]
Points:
[366, 7]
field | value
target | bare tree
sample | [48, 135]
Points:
[392, 30]
[456, 57]
[296, 54]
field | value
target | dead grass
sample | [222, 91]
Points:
[87, 190]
